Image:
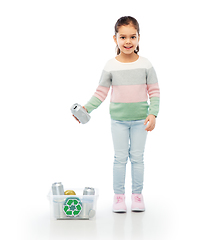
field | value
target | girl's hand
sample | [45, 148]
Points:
[85, 109]
[151, 125]
[76, 118]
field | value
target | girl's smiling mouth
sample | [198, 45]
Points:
[127, 47]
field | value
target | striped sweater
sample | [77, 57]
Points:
[132, 84]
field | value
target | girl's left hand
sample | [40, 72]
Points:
[151, 125]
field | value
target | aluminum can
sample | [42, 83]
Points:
[88, 201]
[87, 211]
[80, 113]
[57, 188]
[69, 192]
[58, 207]
[89, 191]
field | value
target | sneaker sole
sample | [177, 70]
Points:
[119, 211]
[138, 210]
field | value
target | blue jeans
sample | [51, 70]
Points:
[129, 139]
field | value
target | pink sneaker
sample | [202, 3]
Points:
[137, 203]
[119, 205]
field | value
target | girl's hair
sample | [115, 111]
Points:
[123, 21]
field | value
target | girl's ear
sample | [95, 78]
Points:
[114, 37]
[139, 38]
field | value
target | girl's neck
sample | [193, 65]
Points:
[127, 58]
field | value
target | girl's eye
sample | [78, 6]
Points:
[122, 37]
[133, 37]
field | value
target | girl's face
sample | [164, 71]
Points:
[127, 39]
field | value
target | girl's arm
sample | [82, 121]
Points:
[154, 96]
[101, 92]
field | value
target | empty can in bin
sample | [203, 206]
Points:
[89, 191]
[58, 208]
[57, 188]
[87, 210]
[88, 200]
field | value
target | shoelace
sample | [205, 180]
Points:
[119, 199]
[137, 199]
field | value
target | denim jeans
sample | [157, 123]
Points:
[129, 138]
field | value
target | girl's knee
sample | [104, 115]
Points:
[122, 160]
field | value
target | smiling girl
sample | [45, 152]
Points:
[132, 80]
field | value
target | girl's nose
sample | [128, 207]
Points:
[128, 40]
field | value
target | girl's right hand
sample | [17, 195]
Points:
[85, 109]
[76, 117]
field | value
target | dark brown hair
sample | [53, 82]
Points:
[123, 21]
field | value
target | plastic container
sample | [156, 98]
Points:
[73, 207]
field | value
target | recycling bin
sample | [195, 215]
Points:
[73, 207]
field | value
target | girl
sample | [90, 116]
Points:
[132, 79]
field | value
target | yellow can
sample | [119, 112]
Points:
[69, 192]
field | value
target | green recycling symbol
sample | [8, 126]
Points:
[72, 206]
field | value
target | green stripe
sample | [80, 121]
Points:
[129, 111]
[92, 104]
[154, 105]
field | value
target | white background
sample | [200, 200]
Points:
[52, 54]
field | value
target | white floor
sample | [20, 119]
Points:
[166, 217]
[152, 224]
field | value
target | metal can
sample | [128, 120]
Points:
[57, 188]
[88, 202]
[87, 211]
[69, 192]
[80, 113]
[89, 191]
[58, 207]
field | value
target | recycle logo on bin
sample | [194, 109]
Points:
[72, 206]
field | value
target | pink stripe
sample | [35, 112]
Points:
[101, 92]
[129, 93]
[153, 90]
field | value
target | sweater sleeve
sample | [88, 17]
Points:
[101, 92]
[153, 91]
